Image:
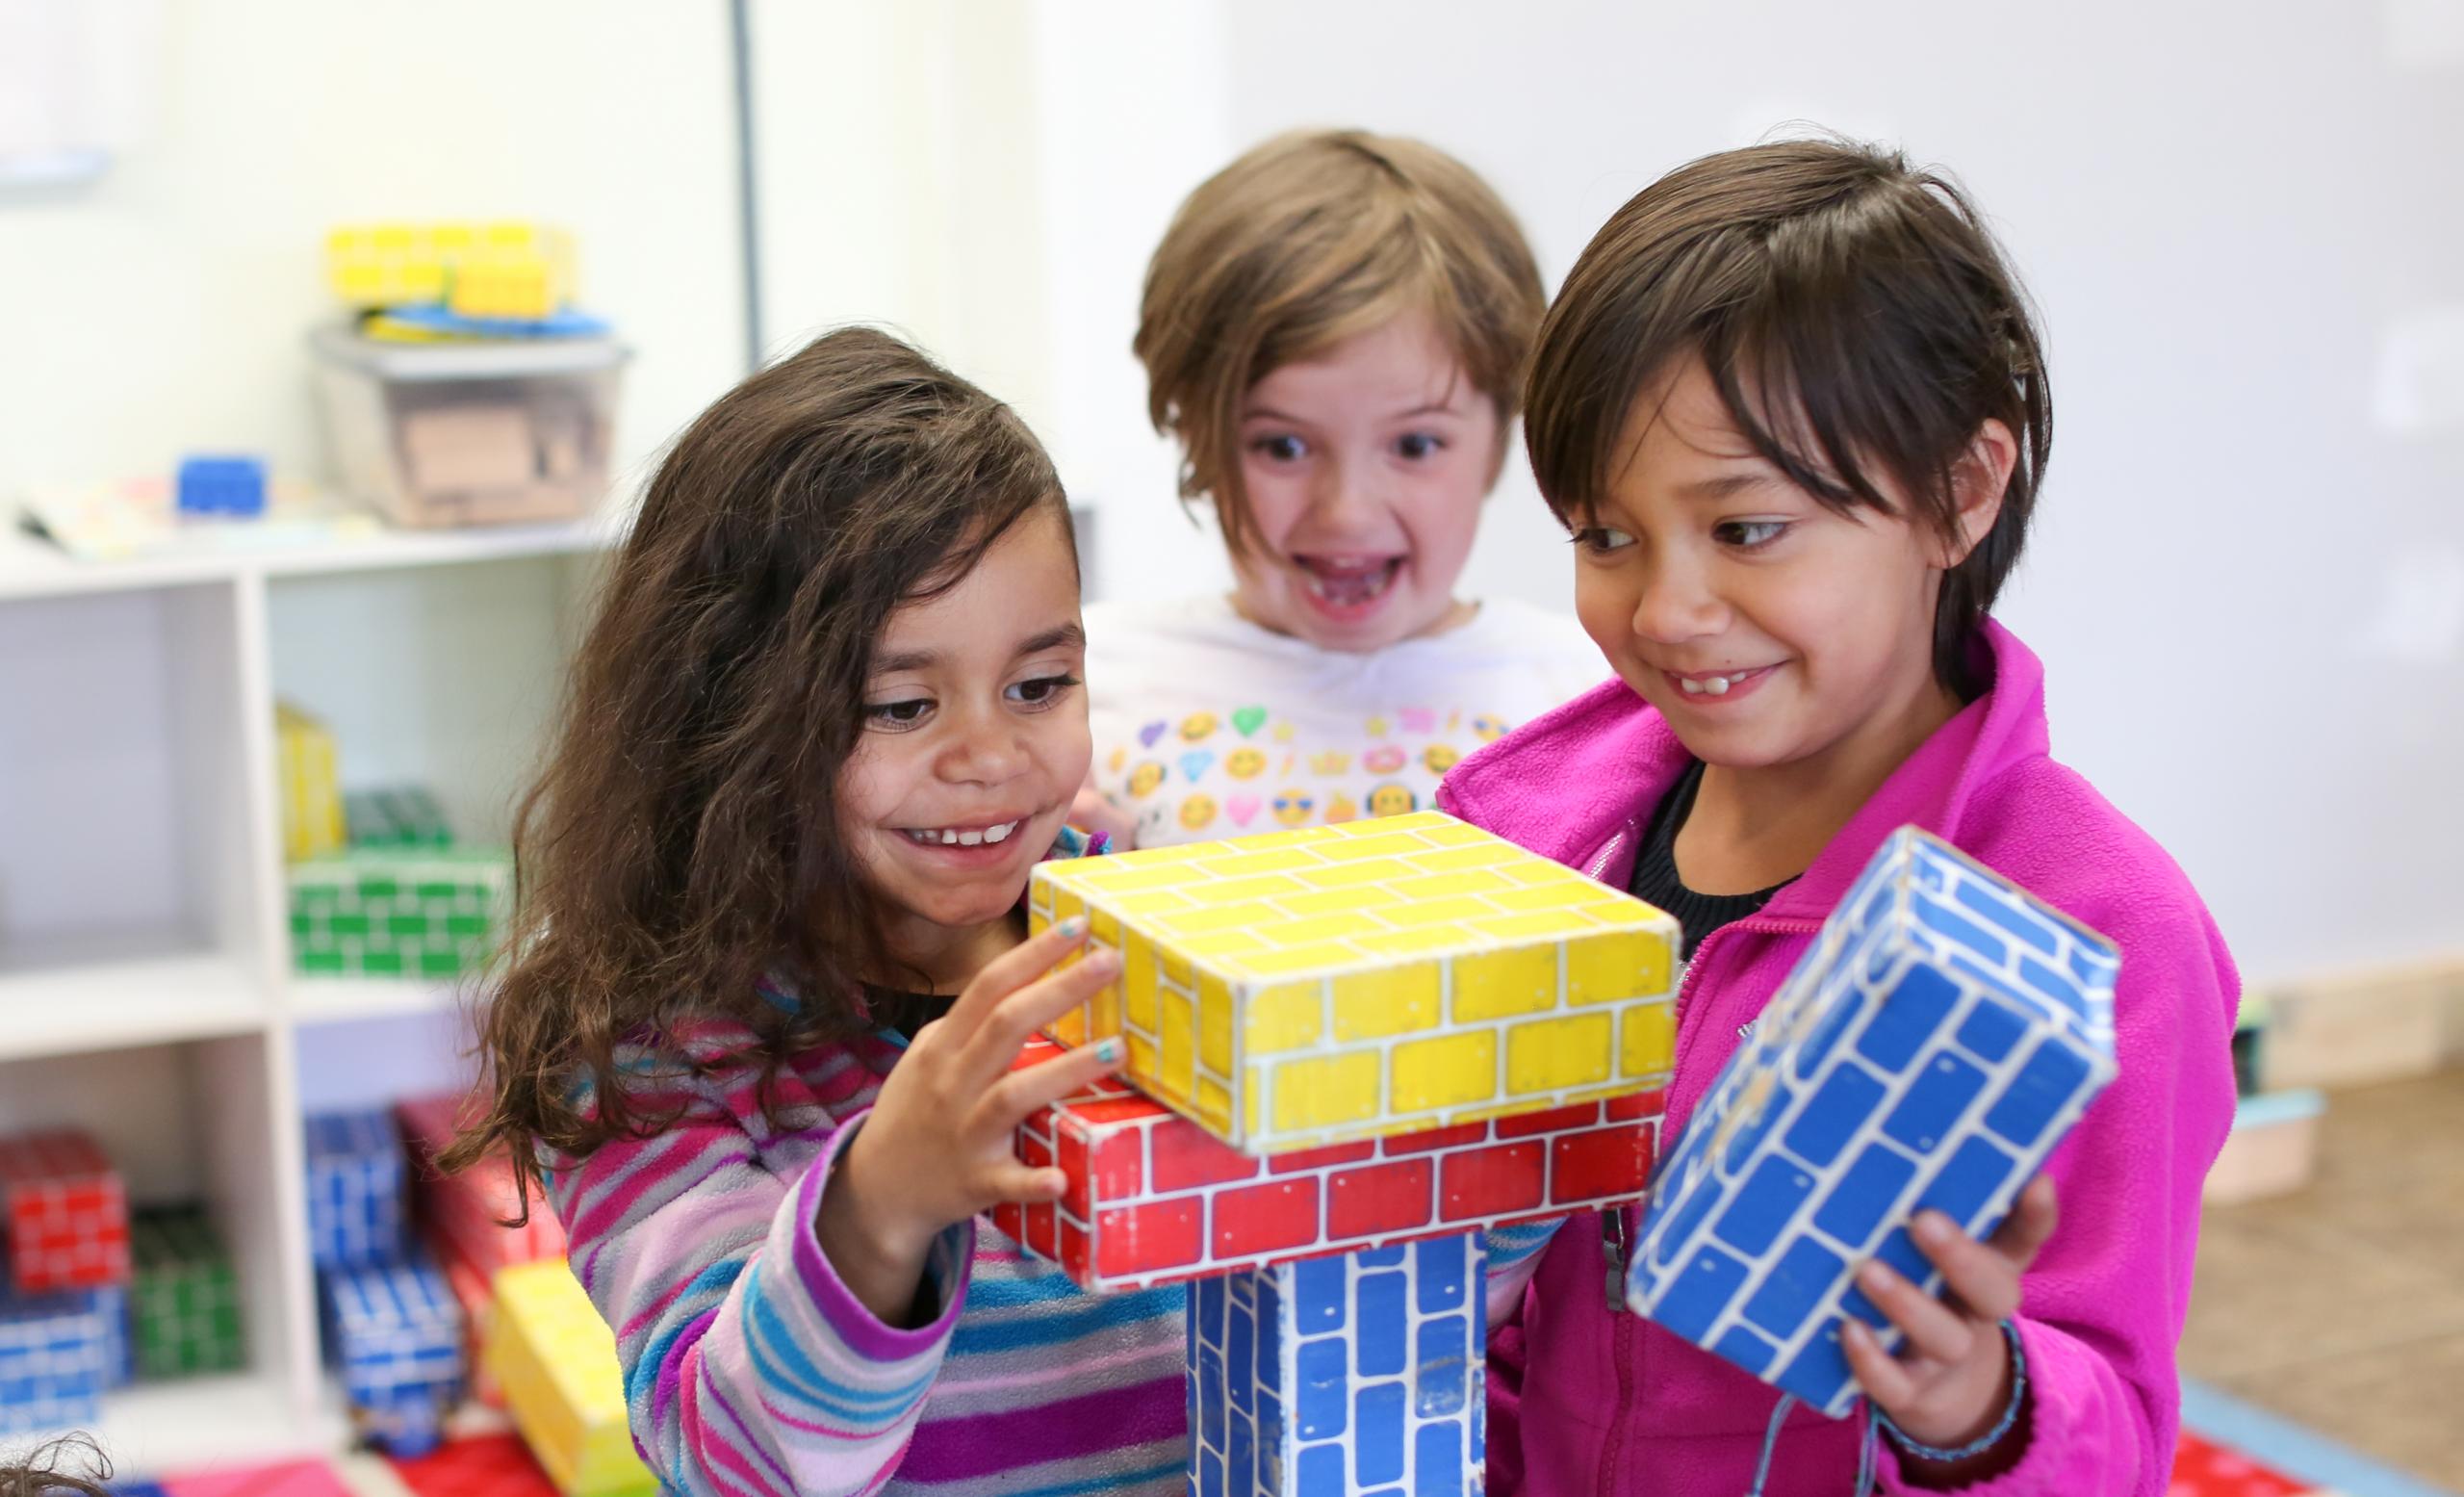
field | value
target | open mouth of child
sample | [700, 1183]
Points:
[1347, 587]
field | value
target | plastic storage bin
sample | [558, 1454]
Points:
[449, 434]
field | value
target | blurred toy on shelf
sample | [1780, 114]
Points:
[477, 1465]
[396, 1334]
[184, 1297]
[558, 1361]
[299, 1477]
[1934, 1045]
[395, 816]
[54, 1359]
[68, 1213]
[310, 768]
[507, 269]
[387, 912]
[354, 1187]
[233, 487]
[467, 1211]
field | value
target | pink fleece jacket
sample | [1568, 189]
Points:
[1611, 1404]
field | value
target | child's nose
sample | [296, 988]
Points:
[1347, 495]
[1673, 606]
[987, 752]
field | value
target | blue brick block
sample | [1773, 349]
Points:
[1344, 1375]
[395, 1331]
[407, 1422]
[120, 1344]
[355, 1177]
[1932, 1048]
[222, 486]
[54, 1355]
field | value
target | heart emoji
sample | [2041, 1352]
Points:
[1242, 809]
[1196, 763]
[1249, 719]
[1151, 731]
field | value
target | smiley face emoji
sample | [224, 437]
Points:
[1196, 812]
[1245, 764]
[1197, 726]
[1143, 779]
[1391, 800]
[1487, 729]
[1292, 808]
[1439, 757]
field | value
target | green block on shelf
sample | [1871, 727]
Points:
[400, 816]
[322, 963]
[183, 1297]
[381, 964]
[379, 886]
[462, 926]
[394, 911]
[413, 924]
[440, 963]
[353, 923]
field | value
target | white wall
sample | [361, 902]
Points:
[164, 310]
[2224, 213]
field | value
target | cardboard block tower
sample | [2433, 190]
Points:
[1349, 1051]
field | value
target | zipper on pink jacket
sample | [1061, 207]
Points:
[1622, 1342]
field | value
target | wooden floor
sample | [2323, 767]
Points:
[2342, 1307]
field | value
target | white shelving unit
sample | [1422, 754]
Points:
[145, 984]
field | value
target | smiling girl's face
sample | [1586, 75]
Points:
[1769, 629]
[1364, 469]
[974, 737]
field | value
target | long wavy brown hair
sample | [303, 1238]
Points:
[682, 843]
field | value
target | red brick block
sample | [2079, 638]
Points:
[1154, 1199]
[468, 1210]
[68, 1213]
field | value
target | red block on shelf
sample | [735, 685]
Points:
[465, 1212]
[1154, 1199]
[68, 1213]
[476, 1295]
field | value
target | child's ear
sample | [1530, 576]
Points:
[1978, 480]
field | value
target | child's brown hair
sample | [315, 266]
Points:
[1303, 241]
[1856, 317]
[683, 842]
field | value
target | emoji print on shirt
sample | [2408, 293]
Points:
[1392, 800]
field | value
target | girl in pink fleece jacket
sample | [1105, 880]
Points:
[1792, 408]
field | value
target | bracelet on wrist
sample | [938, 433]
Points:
[1990, 1437]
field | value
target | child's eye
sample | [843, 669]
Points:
[1417, 445]
[1748, 534]
[897, 715]
[1282, 449]
[1042, 690]
[1600, 539]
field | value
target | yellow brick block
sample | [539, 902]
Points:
[1368, 978]
[1648, 1047]
[1548, 1055]
[1453, 1071]
[1388, 1000]
[1328, 1093]
[311, 791]
[556, 1361]
[1617, 966]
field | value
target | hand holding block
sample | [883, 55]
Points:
[1154, 1199]
[1369, 979]
[1939, 1039]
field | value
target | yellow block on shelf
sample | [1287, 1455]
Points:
[504, 268]
[1367, 979]
[311, 792]
[556, 1361]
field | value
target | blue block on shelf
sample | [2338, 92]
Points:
[1358, 1373]
[53, 1351]
[408, 1421]
[137, 1487]
[355, 1176]
[222, 486]
[119, 1346]
[1932, 1047]
[395, 1330]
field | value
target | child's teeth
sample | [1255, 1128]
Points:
[949, 838]
[1001, 832]
[970, 838]
[1717, 686]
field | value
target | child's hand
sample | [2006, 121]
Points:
[1951, 1383]
[1094, 812]
[937, 1148]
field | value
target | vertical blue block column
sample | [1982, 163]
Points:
[1360, 1374]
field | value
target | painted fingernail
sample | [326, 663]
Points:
[1108, 1051]
[1073, 927]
